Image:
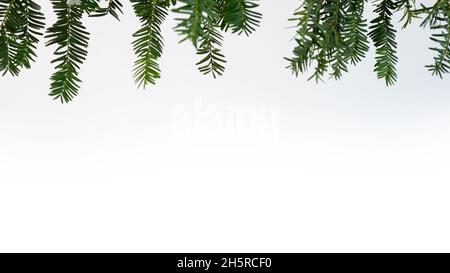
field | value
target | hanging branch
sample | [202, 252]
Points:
[333, 33]
[438, 19]
[330, 36]
[20, 29]
[148, 43]
[71, 38]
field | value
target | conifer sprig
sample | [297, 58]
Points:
[334, 33]
[113, 8]
[383, 36]
[200, 25]
[71, 38]
[21, 22]
[148, 43]
[331, 35]
[31, 30]
[240, 16]
[11, 19]
[309, 37]
[355, 32]
[213, 60]
[438, 19]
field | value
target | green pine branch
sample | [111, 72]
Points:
[190, 26]
[9, 45]
[200, 25]
[308, 39]
[113, 8]
[30, 32]
[71, 38]
[20, 27]
[409, 11]
[148, 43]
[330, 35]
[213, 60]
[438, 19]
[241, 16]
[383, 36]
[334, 20]
[355, 32]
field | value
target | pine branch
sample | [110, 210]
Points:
[383, 35]
[309, 34]
[71, 38]
[213, 60]
[10, 26]
[29, 32]
[239, 15]
[355, 32]
[201, 26]
[323, 38]
[190, 26]
[438, 19]
[148, 43]
[409, 11]
[113, 8]
[330, 36]
[334, 22]
[441, 63]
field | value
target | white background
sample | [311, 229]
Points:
[336, 166]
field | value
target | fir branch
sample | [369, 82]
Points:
[201, 26]
[409, 11]
[190, 26]
[113, 8]
[335, 22]
[355, 32]
[29, 32]
[10, 26]
[239, 15]
[148, 43]
[330, 36]
[71, 38]
[383, 35]
[309, 35]
[438, 19]
[213, 60]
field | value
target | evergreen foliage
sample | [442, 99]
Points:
[148, 43]
[201, 21]
[438, 18]
[21, 22]
[331, 35]
[71, 38]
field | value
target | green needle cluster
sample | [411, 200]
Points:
[203, 22]
[331, 35]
